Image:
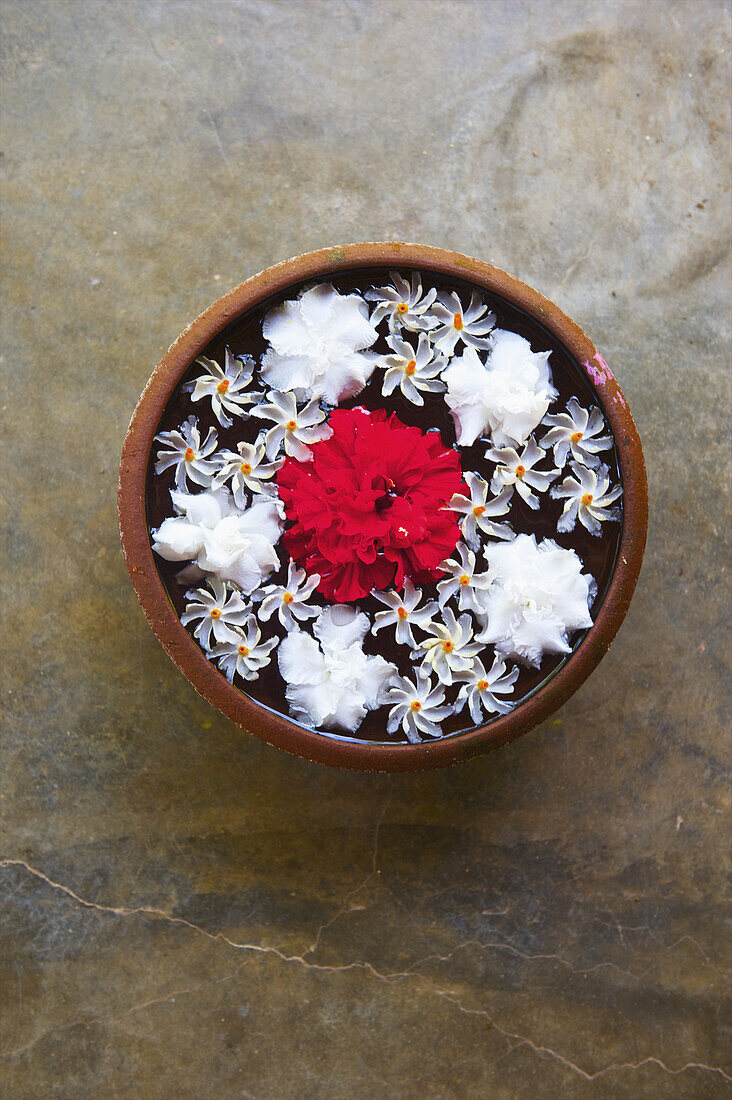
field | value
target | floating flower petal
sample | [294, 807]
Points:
[480, 512]
[184, 450]
[517, 471]
[404, 304]
[588, 497]
[457, 325]
[576, 431]
[417, 706]
[226, 387]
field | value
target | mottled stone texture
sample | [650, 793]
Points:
[187, 913]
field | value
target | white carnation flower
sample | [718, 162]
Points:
[316, 344]
[334, 683]
[211, 532]
[517, 471]
[244, 652]
[538, 596]
[457, 325]
[507, 396]
[576, 431]
[479, 512]
[183, 449]
[417, 706]
[226, 387]
[403, 303]
[588, 498]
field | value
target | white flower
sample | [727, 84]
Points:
[412, 370]
[517, 470]
[289, 600]
[417, 707]
[334, 683]
[479, 512]
[538, 595]
[449, 649]
[481, 688]
[404, 611]
[403, 304]
[316, 344]
[244, 652]
[246, 470]
[211, 532]
[295, 428]
[226, 387]
[216, 609]
[471, 325]
[184, 450]
[588, 496]
[507, 396]
[576, 430]
[463, 580]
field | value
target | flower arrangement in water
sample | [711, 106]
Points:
[341, 533]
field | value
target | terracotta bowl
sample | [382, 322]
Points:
[184, 651]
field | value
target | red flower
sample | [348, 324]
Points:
[370, 508]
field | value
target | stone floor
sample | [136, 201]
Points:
[187, 913]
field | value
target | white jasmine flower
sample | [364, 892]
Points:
[226, 387]
[246, 470]
[481, 688]
[449, 649]
[289, 600]
[463, 580]
[244, 652]
[507, 396]
[412, 370]
[232, 545]
[333, 683]
[576, 430]
[217, 609]
[538, 596]
[417, 707]
[517, 471]
[471, 326]
[184, 450]
[480, 512]
[404, 611]
[295, 428]
[588, 497]
[316, 344]
[403, 304]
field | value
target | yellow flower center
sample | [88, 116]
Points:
[448, 646]
[190, 454]
[465, 579]
[244, 650]
[457, 321]
[587, 498]
[215, 613]
[288, 597]
[411, 366]
[520, 470]
[482, 685]
[479, 510]
[402, 308]
[415, 704]
[223, 385]
[246, 468]
[575, 437]
[291, 425]
[402, 612]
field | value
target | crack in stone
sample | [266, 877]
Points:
[515, 1038]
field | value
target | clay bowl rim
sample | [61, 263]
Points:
[270, 726]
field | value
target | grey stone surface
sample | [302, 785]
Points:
[187, 913]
